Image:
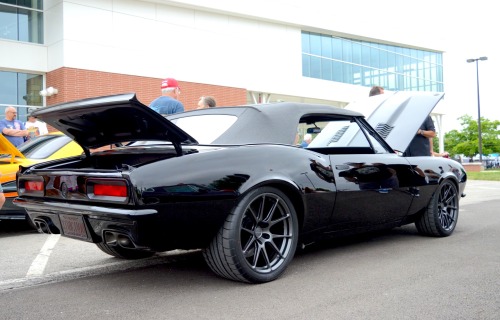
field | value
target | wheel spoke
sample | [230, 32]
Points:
[251, 242]
[253, 215]
[271, 211]
[266, 257]
[262, 205]
[273, 245]
[448, 197]
[247, 230]
[273, 222]
[256, 256]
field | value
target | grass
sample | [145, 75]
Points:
[490, 175]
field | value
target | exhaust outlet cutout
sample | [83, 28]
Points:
[45, 225]
[118, 239]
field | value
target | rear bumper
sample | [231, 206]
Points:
[92, 222]
[160, 227]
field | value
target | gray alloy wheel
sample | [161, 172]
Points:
[258, 239]
[124, 253]
[440, 217]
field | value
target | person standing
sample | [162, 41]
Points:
[206, 102]
[168, 102]
[307, 140]
[420, 144]
[13, 129]
[35, 127]
[375, 91]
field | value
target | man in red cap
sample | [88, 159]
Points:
[168, 102]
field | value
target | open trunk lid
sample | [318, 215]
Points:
[101, 121]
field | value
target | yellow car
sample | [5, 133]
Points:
[39, 149]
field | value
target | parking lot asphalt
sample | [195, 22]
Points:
[29, 258]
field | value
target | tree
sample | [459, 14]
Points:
[466, 141]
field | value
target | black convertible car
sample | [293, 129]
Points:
[234, 182]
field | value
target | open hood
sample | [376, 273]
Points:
[97, 122]
[6, 147]
[397, 116]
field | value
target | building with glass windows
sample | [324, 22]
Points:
[239, 52]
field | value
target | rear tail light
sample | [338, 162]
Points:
[108, 190]
[35, 187]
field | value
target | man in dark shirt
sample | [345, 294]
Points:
[420, 145]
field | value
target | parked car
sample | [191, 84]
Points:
[233, 182]
[42, 148]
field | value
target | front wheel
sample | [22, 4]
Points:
[258, 239]
[440, 217]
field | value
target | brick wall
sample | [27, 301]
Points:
[75, 84]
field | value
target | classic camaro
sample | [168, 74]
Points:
[234, 181]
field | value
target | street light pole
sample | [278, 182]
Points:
[479, 107]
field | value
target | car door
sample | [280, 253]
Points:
[372, 181]
[371, 189]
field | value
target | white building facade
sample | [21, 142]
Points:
[238, 51]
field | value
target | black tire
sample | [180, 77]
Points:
[440, 217]
[124, 253]
[258, 239]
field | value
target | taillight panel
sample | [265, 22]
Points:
[33, 186]
[115, 190]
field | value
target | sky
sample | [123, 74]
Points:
[470, 36]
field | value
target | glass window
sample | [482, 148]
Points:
[196, 126]
[8, 23]
[356, 52]
[315, 67]
[326, 47]
[337, 48]
[44, 146]
[367, 63]
[21, 21]
[326, 69]
[315, 43]
[306, 65]
[20, 89]
[337, 71]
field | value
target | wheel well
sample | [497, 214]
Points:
[452, 179]
[293, 194]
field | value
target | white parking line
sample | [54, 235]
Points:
[38, 266]
[123, 265]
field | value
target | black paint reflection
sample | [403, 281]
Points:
[226, 187]
[376, 176]
[323, 172]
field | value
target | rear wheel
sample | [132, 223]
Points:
[124, 253]
[440, 217]
[258, 239]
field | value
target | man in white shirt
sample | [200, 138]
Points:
[36, 127]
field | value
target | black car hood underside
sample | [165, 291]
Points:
[102, 121]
